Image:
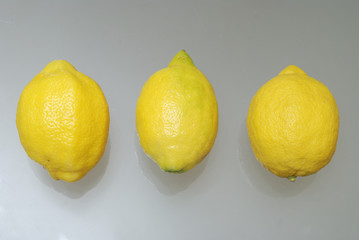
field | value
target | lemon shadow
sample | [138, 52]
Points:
[260, 178]
[166, 183]
[74, 189]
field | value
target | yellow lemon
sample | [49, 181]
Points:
[63, 121]
[293, 124]
[177, 116]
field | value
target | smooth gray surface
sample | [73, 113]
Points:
[238, 45]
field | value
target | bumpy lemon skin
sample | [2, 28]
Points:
[177, 116]
[63, 121]
[293, 124]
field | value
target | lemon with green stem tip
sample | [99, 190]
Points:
[293, 124]
[177, 116]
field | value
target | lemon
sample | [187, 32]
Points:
[177, 116]
[293, 124]
[63, 121]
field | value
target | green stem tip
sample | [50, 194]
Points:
[181, 58]
[292, 178]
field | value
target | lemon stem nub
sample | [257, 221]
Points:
[181, 58]
[292, 178]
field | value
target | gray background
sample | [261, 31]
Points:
[238, 45]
